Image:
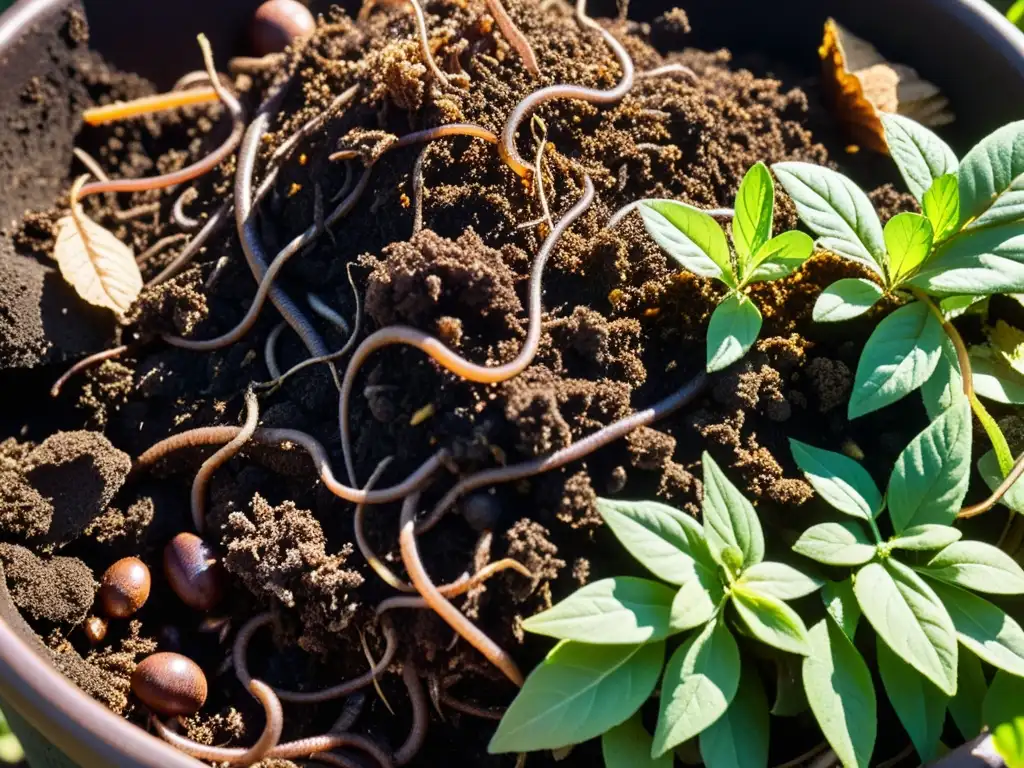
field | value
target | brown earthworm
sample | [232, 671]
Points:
[429, 592]
[158, 246]
[240, 653]
[507, 146]
[482, 374]
[132, 213]
[265, 746]
[86, 362]
[233, 446]
[571, 453]
[418, 730]
[667, 69]
[421, 28]
[183, 259]
[197, 169]
[428, 134]
[460, 586]
[470, 709]
[219, 435]
[514, 35]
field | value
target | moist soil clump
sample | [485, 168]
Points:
[443, 239]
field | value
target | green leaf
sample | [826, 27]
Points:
[988, 467]
[995, 381]
[971, 688]
[690, 237]
[1004, 716]
[729, 519]
[908, 239]
[608, 612]
[739, 739]
[629, 746]
[921, 156]
[930, 478]
[900, 356]
[783, 255]
[920, 706]
[945, 384]
[843, 544]
[733, 329]
[841, 694]
[984, 628]
[778, 580]
[941, 205]
[841, 604]
[578, 692]
[790, 699]
[991, 187]
[978, 566]
[839, 480]
[771, 621]
[837, 211]
[921, 538]
[846, 299]
[698, 599]
[700, 682]
[979, 263]
[752, 222]
[662, 539]
[910, 618]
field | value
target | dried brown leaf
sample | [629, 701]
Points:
[96, 264]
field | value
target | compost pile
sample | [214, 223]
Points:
[439, 235]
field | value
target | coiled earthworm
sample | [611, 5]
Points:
[429, 592]
[219, 435]
[233, 446]
[421, 28]
[418, 730]
[571, 453]
[197, 169]
[240, 653]
[514, 35]
[86, 362]
[619, 215]
[182, 219]
[482, 374]
[507, 145]
[265, 746]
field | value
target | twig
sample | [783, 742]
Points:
[122, 110]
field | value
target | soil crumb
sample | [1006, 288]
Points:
[58, 590]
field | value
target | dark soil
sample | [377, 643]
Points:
[623, 328]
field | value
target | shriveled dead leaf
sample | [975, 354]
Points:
[859, 84]
[96, 264]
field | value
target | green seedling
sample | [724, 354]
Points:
[698, 243]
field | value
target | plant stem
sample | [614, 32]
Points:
[984, 506]
[995, 434]
[874, 530]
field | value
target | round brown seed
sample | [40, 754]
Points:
[124, 588]
[95, 629]
[193, 572]
[277, 23]
[170, 684]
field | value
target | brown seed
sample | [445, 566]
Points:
[277, 23]
[124, 588]
[95, 629]
[193, 572]
[170, 684]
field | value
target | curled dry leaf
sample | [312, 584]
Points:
[96, 264]
[860, 84]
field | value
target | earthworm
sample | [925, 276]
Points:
[244, 65]
[158, 246]
[122, 110]
[269, 355]
[418, 730]
[667, 69]
[189, 252]
[567, 455]
[183, 220]
[265, 746]
[324, 310]
[470, 709]
[86, 362]
[240, 655]
[538, 174]
[619, 215]
[197, 169]
[97, 170]
[421, 27]
[248, 234]
[346, 187]
[350, 712]
[454, 618]
[514, 35]
[212, 464]
[984, 506]
[313, 124]
[482, 374]
[219, 435]
[507, 146]
[266, 285]
[428, 134]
